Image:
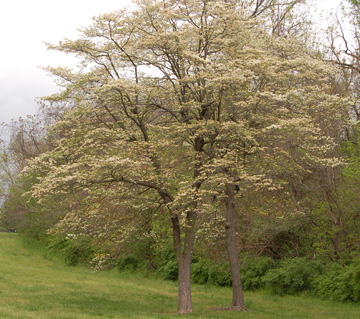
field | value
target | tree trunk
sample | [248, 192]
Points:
[183, 250]
[238, 296]
[184, 300]
[184, 259]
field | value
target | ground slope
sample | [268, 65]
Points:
[32, 286]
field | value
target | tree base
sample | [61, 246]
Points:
[231, 308]
[183, 312]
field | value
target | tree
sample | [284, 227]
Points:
[326, 206]
[178, 103]
[22, 140]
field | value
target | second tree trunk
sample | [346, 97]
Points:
[238, 296]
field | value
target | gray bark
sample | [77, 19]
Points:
[238, 296]
[184, 259]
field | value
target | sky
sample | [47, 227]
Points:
[24, 27]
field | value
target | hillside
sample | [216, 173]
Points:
[35, 286]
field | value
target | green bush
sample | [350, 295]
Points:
[128, 263]
[78, 251]
[253, 271]
[340, 282]
[220, 275]
[292, 276]
[74, 250]
[199, 273]
[168, 268]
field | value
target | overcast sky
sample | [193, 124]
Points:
[24, 26]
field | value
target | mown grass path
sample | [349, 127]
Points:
[32, 286]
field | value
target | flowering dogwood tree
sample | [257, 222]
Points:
[179, 102]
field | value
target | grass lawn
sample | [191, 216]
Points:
[33, 286]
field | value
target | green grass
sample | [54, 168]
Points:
[36, 286]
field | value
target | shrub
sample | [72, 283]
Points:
[168, 267]
[220, 275]
[169, 271]
[253, 271]
[292, 276]
[199, 273]
[340, 282]
[77, 251]
[74, 250]
[128, 263]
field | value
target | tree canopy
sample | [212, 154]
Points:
[178, 111]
